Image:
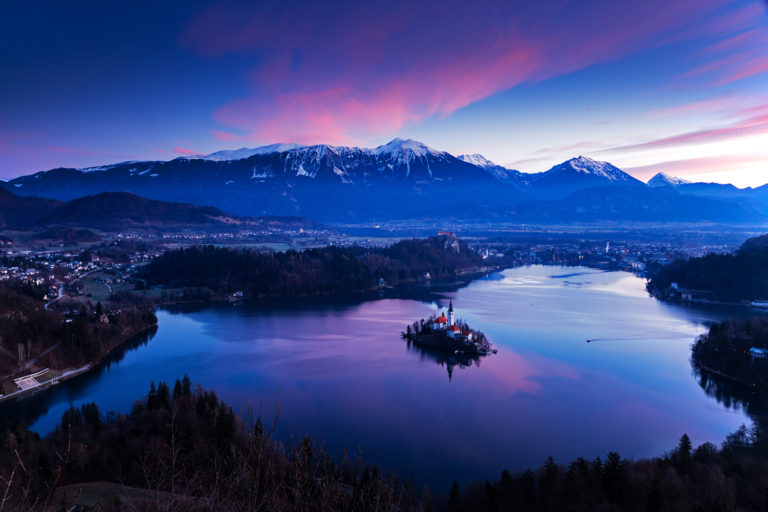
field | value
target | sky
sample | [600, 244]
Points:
[677, 86]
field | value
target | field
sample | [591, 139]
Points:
[98, 286]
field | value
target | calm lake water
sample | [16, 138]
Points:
[343, 374]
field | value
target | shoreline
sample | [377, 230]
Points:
[469, 272]
[707, 301]
[723, 375]
[72, 372]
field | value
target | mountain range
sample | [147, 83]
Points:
[403, 179]
[112, 211]
[720, 190]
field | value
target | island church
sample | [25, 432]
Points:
[448, 325]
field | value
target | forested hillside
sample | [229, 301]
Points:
[181, 448]
[731, 277]
[311, 272]
[80, 335]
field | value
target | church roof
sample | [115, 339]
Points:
[441, 320]
[454, 328]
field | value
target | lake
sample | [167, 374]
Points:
[343, 374]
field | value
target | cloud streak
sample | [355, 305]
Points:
[349, 71]
[184, 151]
[755, 124]
[692, 167]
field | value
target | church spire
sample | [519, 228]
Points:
[450, 314]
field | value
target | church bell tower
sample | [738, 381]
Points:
[450, 314]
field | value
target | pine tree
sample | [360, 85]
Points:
[684, 450]
[178, 391]
[186, 385]
[454, 498]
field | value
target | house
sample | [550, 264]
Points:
[758, 353]
[454, 331]
[440, 323]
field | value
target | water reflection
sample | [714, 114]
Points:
[29, 409]
[343, 373]
[444, 359]
[729, 393]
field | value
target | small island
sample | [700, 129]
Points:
[446, 333]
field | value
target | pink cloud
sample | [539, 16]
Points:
[693, 166]
[736, 42]
[739, 55]
[715, 104]
[184, 151]
[222, 135]
[368, 69]
[752, 125]
[745, 70]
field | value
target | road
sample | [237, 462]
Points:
[31, 362]
[61, 288]
[61, 294]
[46, 351]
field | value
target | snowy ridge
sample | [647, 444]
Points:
[239, 154]
[398, 160]
[400, 146]
[662, 179]
[497, 171]
[99, 168]
[350, 164]
[587, 166]
[477, 159]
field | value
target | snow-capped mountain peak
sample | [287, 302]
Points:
[584, 165]
[478, 160]
[239, 154]
[398, 145]
[662, 179]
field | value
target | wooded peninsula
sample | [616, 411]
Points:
[738, 277]
[209, 272]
